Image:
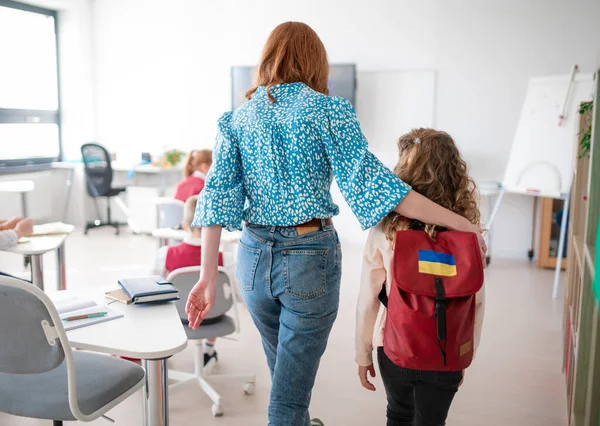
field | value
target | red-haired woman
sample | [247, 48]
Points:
[274, 161]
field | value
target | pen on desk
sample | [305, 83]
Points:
[86, 316]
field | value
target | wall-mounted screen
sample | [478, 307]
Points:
[342, 82]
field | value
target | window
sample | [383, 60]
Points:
[29, 89]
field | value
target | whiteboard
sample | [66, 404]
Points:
[542, 153]
[388, 104]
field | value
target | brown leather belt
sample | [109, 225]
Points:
[311, 226]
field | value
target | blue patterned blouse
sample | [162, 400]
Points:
[274, 163]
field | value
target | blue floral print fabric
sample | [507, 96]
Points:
[274, 162]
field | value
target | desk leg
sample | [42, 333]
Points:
[24, 204]
[68, 187]
[37, 271]
[156, 393]
[61, 273]
[25, 213]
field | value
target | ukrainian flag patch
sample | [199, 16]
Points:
[436, 263]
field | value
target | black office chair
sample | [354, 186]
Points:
[99, 176]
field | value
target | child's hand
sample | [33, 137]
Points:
[24, 228]
[10, 224]
[364, 381]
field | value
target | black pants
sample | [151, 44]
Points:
[415, 397]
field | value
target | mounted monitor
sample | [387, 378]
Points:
[342, 82]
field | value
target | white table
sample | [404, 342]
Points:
[20, 187]
[166, 234]
[145, 176]
[228, 239]
[152, 333]
[149, 169]
[36, 247]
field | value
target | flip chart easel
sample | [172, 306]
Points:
[543, 150]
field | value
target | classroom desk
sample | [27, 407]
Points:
[228, 239]
[137, 178]
[36, 247]
[152, 333]
[20, 187]
[165, 173]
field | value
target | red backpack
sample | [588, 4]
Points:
[431, 307]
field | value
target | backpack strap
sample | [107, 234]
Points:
[440, 314]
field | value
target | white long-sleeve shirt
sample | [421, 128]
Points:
[8, 238]
[370, 313]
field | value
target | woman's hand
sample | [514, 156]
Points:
[416, 206]
[200, 301]
[480, 232]
[364, 381]
[202, 297]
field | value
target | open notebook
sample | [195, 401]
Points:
[75, 306]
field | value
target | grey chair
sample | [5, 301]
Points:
[41, 376]
[169, 212]
[99, 177]
[216, 324]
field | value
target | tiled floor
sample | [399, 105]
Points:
[516, 379]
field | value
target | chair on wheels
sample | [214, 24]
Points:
[40, 376]
[217, 324]
[99, 176]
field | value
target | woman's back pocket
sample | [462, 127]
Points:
[247, 262]
[305, 272]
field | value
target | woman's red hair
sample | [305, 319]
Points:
[293, 53]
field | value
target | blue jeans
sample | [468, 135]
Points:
[291, 286]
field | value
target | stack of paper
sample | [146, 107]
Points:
[53, 228]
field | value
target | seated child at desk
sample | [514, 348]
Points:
[197, 165]
[10, 232]
[187, 253]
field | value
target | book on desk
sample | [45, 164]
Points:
[150, 289]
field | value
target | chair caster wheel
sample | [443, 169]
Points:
[249, 388]
[117, 231]
[217, 410]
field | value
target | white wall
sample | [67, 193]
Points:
[162, 68]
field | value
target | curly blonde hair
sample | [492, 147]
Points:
[429, 161]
